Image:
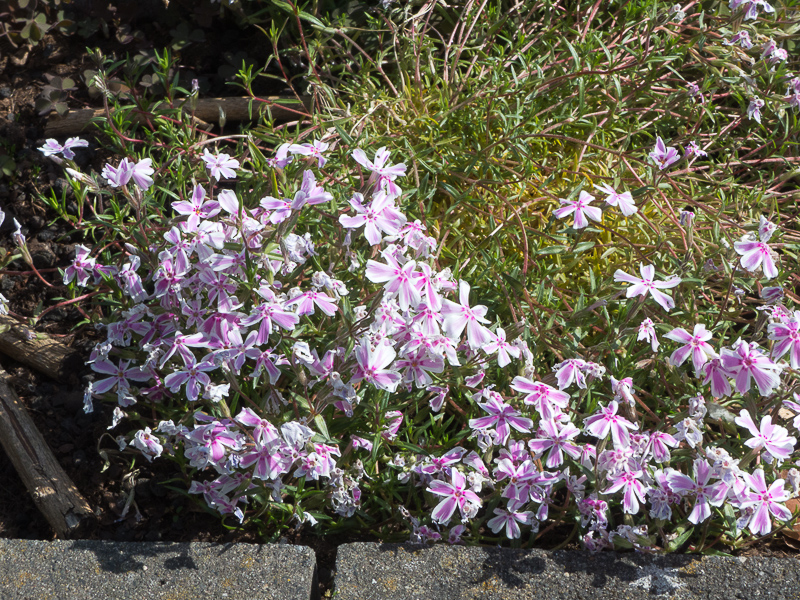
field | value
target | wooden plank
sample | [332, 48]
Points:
[39, 351]
[52, 490]
[206, 109]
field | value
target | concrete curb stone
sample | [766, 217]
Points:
[369, 571]
[96, 570]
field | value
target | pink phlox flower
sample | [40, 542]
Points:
[746, 362]
[607, 420]
[787, 336]
[264, 432]
[634, 491]
[267, 459]
[664, 156]
[120, 375]
[765, 500]
[623, 200]
[442, 463]
[692, 149]
[219, 287]
[659, 444]
[644, 285]
[413, 236]
[772, 438]
[281, 158]
[754, 109]
[456, 495]
[751, 7]
[766, 228]
[793, 93]
[547, 400]
[393, 420]
[359, 442]
[310, 193]
[373, 365]
[695, 345]
[502, 417]
[279, 209]
[52, 147]
[569, 371]
[220, 165]
[81, 268]
[694, 91]
[149, 444]
[229, 202]
[385, 174]
[398, 279]
[742, 38]
[459, 316]
[504, 350]
[427, 286]
[455, 533]
[594, 512]
[418, 366]
[769, 47]
[268, 314]
[217, 438]
[440, 395]
[510, 520]
[130, 281]
[581, 209]
[234, 264]
[307, 301]
[623, 390]
[647, 332]
[181, 343]
[196, 209]
[141, 173]
[756, 254]
[556, 440]
[239, 350]
[705, 495]
[119, 176]
[193, 375]
[474, 460]
[688, 430]
[378, 216]
[718, 376]
[517, 472]
[267, 360]
[315, 149]
[444, 346]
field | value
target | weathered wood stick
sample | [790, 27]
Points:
[206, 109]
[39, 351]
[50, 487]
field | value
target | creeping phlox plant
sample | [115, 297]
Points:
[293, 388]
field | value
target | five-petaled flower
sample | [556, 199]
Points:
[664, 156]
[644, 285]
[581, 209]
[624, 200]
[220, 165]
[695, 344]
[765, 500]
[456, 495]
[746, 362]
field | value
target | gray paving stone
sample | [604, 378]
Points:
[404, 572]
[78, 570]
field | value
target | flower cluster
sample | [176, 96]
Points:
[232, 315]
